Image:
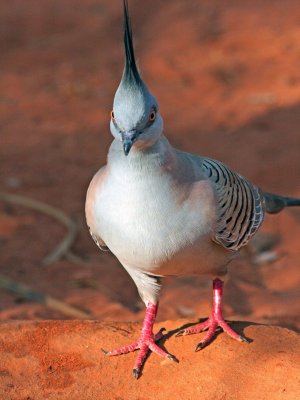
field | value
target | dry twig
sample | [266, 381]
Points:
[26, 292]
[63, 248]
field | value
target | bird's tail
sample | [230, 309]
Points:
[275, 203]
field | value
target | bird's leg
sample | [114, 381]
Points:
[214, 321]
[145, 343]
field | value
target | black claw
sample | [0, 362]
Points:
[136, 373]
[105, 351]
[173, 358]
[179, 333]
[244, 339]
[200, 346]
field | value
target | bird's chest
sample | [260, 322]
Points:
[143, 221]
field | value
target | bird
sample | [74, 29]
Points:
[164, 212]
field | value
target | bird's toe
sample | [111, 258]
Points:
[180, 333]
[200, 346]
[173, 358]
[244, 339]
[136, 373]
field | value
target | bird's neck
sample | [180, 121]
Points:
[161, 155]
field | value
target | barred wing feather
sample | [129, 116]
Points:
[241, 205]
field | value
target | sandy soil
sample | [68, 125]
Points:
[227, 78]
[61, 360]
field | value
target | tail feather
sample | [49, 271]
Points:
[275, 203]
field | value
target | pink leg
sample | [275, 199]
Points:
[214, 321]
[145, 343]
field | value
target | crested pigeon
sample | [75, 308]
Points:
[165, 212]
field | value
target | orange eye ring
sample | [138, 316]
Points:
[152, 115]
[112, 115]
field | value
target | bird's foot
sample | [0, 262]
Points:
[215, 321]
[145, 344]
[212, 324]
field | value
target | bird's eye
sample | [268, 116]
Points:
[112, 115]
[152, 115]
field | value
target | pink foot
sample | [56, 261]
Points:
[145, 343]
[214, 321]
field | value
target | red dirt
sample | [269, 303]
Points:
[61, 360]
[227, 78]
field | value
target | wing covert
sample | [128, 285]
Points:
[240, 205]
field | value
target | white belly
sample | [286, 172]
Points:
[142, 221]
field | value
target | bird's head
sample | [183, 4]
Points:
[135, 118]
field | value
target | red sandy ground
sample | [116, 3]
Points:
[227, 77]
[60, 360]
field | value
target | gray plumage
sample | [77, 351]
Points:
[276, 203]
[240, 204]
[165, 212]
[162, 211]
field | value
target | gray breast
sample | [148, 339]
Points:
[142, 222]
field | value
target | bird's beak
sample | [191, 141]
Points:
[128, 138]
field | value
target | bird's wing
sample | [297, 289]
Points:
[240, 205]
[95, 185]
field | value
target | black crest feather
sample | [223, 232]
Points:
[131, 74]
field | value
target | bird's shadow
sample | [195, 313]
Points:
[238, 326]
